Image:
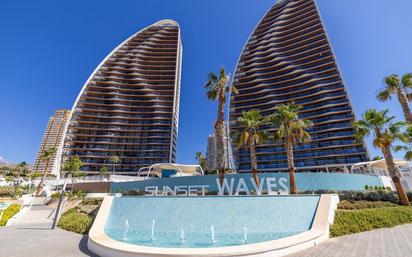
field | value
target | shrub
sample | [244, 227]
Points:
[387, 196]
[356, 205]
[74, 195]
[349, 222]
[9, 212]
[6, 191]
[75, 221]
[92, 201]
[366, 187]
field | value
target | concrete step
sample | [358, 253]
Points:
[39, 215]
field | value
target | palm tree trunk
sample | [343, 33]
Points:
[253, 161]
[403, 100]
[394, 173]
[219, 130]
[17, 184]
[42, 179]
[291, 166]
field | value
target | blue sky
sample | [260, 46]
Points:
[49, 48]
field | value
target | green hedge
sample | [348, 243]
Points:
[8, 213]
[349, 222]
[6, 191]
[75, 221]
[357, 205]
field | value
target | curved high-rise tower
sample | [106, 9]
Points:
[288, 58]
[129, 106]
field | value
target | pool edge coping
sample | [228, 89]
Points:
[100, 243]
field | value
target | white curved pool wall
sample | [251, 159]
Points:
[101, 244]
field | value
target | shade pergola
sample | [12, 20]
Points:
[182, 169]
[378, 165]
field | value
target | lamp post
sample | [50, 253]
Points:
[62, 196]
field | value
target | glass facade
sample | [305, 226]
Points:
[288, 58]
[129, 107]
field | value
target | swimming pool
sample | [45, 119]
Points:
[205, 222]
[4, 205]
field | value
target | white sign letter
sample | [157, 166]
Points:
[283, 184]
[259, 189]
[271, 182]
[241, 187]
[225, 186]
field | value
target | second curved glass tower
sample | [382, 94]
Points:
[288, 58]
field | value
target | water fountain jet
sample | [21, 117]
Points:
[126, 229]
[153, 228]
[245, 234]
[182, 236]
[212, 230]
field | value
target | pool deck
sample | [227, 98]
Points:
[386, 242]
[40, 241]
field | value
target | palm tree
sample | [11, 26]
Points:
[399, 87]
[201, 160]
[217, 86]
[251, 135]
[291, 129]
[73, 166]
[46, 156]
[115, 160]
[385, 133]
[21, 167]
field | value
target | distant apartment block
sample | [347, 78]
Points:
[288, 58]
[129, 106]
[211, 150]
[53, 137]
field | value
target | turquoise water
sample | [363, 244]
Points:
[264, 217]
[4, 205]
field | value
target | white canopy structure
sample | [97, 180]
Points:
[158, 170]
[378, 167]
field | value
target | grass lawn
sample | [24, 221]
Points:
[8, 213]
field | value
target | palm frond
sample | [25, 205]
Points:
[407, 80]
[383, 95]
[211, 95]
[392, 83]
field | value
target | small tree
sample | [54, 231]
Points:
[45, 157]
[73, 166]
[104, 171]
[115, 160]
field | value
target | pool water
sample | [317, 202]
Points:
[4, 205]
[186, 221]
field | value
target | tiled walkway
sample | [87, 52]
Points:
[40, 241]
[387, 242]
